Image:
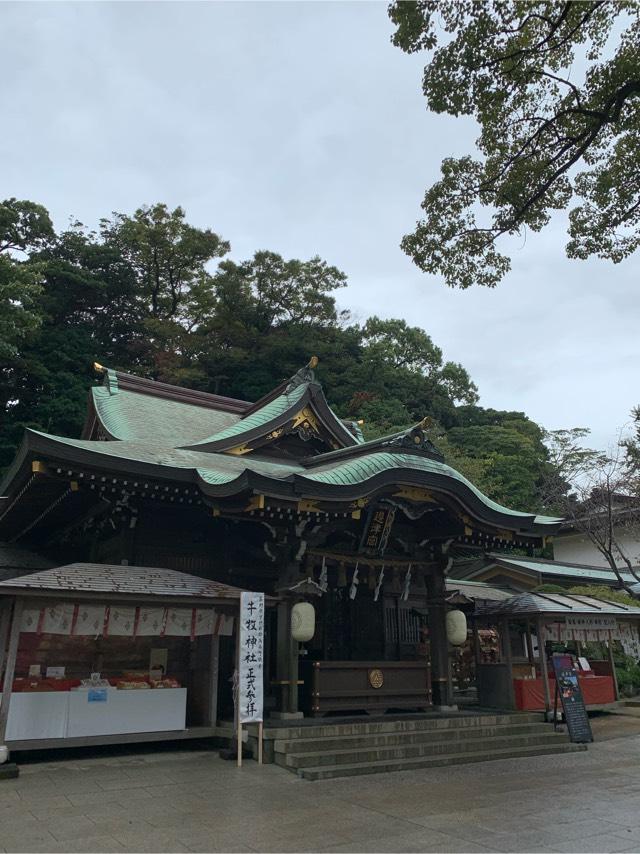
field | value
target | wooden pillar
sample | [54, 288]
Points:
[437, 608]
[294, 660]
[543, 666]
[214, 669]
[506, 653]
[5, 622]
[282, 657]
[529, 643]
[613, 670]
[10, 669]
[286, 664]
[476, 644]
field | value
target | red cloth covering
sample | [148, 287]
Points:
[36, 683]
[529, 693]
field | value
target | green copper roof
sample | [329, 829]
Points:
[172, 434]
[560, 570]
[226, 474]
[260, 417]
[130, 416]
[213, 468]
[360, 469]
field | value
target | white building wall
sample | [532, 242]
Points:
[578, 548]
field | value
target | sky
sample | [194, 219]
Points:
[299, 128]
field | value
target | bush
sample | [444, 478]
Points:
[628, 673]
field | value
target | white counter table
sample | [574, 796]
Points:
[69, 714]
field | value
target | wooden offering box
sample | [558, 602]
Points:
[351, 686]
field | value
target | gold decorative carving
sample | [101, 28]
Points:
[305, 418]
[414, 494]
[305, 506]
[239, 450]
[376, 678]
[275, 434]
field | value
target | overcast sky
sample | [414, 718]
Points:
[298, 127]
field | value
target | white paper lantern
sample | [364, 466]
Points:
[4, 754]
[456, 627]
[303, 621]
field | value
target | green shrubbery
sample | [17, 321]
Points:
[628, 673]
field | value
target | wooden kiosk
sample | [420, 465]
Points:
[98, 654]
[513, 639]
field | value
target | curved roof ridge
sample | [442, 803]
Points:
[412, 439]
[115, 380]
[275, 413]
[260, 417]
[364, 467]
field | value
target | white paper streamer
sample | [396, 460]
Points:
[376, 594]
[407, 584]
[353, 590]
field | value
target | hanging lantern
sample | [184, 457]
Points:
[456, 627]
[303, 621]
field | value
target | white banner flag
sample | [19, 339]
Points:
[121, 621]
[250, 670]
[151, 622]
[179, 622]
[58, 619]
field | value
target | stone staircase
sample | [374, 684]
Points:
[328, 750]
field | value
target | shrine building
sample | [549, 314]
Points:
[280, 496]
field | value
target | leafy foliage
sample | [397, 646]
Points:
[515, 67]
[24, 226]
[550, 588]
[628, 675]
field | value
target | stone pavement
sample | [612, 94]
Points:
[193, 801]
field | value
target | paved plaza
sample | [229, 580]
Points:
[193, 801]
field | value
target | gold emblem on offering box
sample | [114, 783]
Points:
[376, 678]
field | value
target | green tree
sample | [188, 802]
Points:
[169, 256]
[19, 290]
[24, 227]
[559, 115]
[266, 316]
[512, 449]
[87, 310]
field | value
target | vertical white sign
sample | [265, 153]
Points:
[251, 664]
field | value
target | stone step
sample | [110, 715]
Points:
[633, 703]
[382, 739]
[462, 721]
[411, 764]
[371, 754]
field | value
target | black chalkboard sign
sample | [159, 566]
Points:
[568, 687]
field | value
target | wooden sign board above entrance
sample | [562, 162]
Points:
[568, 687]
[377, 529]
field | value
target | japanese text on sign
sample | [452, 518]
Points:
[250, 669]
[377, 529]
